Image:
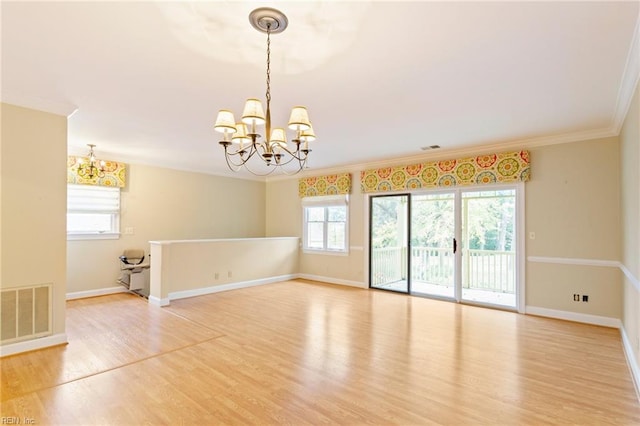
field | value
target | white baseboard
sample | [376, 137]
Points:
[574, 316]
[226, 287]
[34, 344]
[156, 301]
[94, 293]
[631, 361]
[332, 280]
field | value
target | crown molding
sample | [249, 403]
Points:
[40, 104]
[467, 150]
[630, 78]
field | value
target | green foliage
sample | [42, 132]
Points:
[488, 221]
[432, 224]
[388, 214]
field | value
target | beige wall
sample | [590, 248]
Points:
[1, 126]
[630, 220]
[33, 199]
[284, 218]
[192, 267]
[572, 204]
[165, 204]
[551, 286]
[630, 171]
[283, 211]
[572, 200]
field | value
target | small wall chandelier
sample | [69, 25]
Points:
[93, 168]
[241, 139]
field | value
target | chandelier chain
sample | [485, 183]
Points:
[268, 94]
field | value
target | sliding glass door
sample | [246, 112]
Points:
[489, 247]
[459, 245]
[433, 244]
[389, 242]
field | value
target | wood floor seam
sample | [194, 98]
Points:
[200, 324]
[97, 373]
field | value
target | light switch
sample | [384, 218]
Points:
[128, 230]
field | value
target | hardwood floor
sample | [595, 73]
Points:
[307, 353]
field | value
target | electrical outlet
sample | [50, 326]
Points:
[576, 297]
[532, 235]
[585, 297]
[229, 274]
[217, 275]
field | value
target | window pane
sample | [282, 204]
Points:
[325, 224]
[315, 235]
[315, 214]
[89, 222]
[337, 214]
[336, 235]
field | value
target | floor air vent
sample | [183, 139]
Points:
[25, 313]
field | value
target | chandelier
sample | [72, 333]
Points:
[93, 168]
[241, 140]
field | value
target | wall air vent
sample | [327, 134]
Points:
[25, 313]
[427, 148]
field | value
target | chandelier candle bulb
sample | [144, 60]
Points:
[240, 136]
[273, 152]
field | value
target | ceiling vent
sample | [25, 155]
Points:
[427, 148]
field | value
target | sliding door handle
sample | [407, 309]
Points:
[455, 245]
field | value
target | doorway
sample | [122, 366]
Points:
[459, 245]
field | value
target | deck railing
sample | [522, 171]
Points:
[481, 269]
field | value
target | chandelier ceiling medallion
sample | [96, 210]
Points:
[241, 140]
[92, 168]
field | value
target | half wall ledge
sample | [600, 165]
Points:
[186, 268]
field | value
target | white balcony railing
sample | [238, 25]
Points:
[481, 269]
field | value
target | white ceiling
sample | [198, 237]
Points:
[380, 79]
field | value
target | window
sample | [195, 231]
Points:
[93, 212]
[325, 224]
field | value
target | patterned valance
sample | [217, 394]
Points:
[325, 185]
[114, 173]
[505, 167]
